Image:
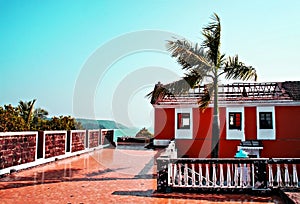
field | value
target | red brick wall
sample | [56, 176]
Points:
[17, 149]
[93, 138]
[78, 141]
[54, 144]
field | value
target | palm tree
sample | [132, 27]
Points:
[40, 113]
[26, 110]
[201, 62]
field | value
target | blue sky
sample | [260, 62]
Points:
[46, 45]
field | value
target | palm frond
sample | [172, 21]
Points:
[193, 78]
[234, 69]
[212, 35]
[179, 87]
[204, 101]
[158, 93]
[188, 55]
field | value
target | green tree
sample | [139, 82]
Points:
[144, 132]
[26, 111]
[10, 119]
[39, 121]
[201, 62]
[64, 123]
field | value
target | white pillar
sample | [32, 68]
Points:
[193, 174]
[236, 176]
[228, 177]
[180, 175]
[174, 173]
[248, 176]
[170, 176]
[271, 180]
[286, 175]
[295, 176]
[214, 178]
[278, 175]
[241, 175]
[200, 175]
[207, 174]
[186, 176]
[221, 176]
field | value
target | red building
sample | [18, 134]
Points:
[267, 114]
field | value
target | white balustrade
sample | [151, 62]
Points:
[245, 175]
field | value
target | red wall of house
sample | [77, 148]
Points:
[198, 148]
[250, 123]
[287, 143]
[164, 123]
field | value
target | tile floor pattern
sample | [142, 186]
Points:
[122, 175]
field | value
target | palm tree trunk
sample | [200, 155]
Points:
[216, 123]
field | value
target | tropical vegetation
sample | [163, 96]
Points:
[25, 118]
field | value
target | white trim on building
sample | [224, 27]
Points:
[266, 134]
[187, 131]
[235, 134]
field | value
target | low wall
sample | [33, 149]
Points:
[77, 140]
[17, 148]
[93, 138]
[55, 143]
[20, 150]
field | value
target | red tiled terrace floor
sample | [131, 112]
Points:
[119, 175]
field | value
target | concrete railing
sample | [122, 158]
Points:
[248, 173]
[20, 150]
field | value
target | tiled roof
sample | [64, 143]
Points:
[293, 89]
[268, 91]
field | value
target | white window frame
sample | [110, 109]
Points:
[235, 134]
[266, 134]
[184, 133]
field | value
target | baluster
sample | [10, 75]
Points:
[295, 176]
[169, 173]
[248, 179]
[278, 175]
[253, 174]
[221, 176]
[286, 175]
[236, 175]
[214, 178]
[180, 175]
[174, 174]
[271, 180]
[186, 180]
[206, 175]
[228, 177]
[200, 175]
[241, 175]
[193, 175]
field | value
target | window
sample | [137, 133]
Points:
[265, 120]
[183, 120]
[235, 120]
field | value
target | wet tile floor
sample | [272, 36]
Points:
[122, 175]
